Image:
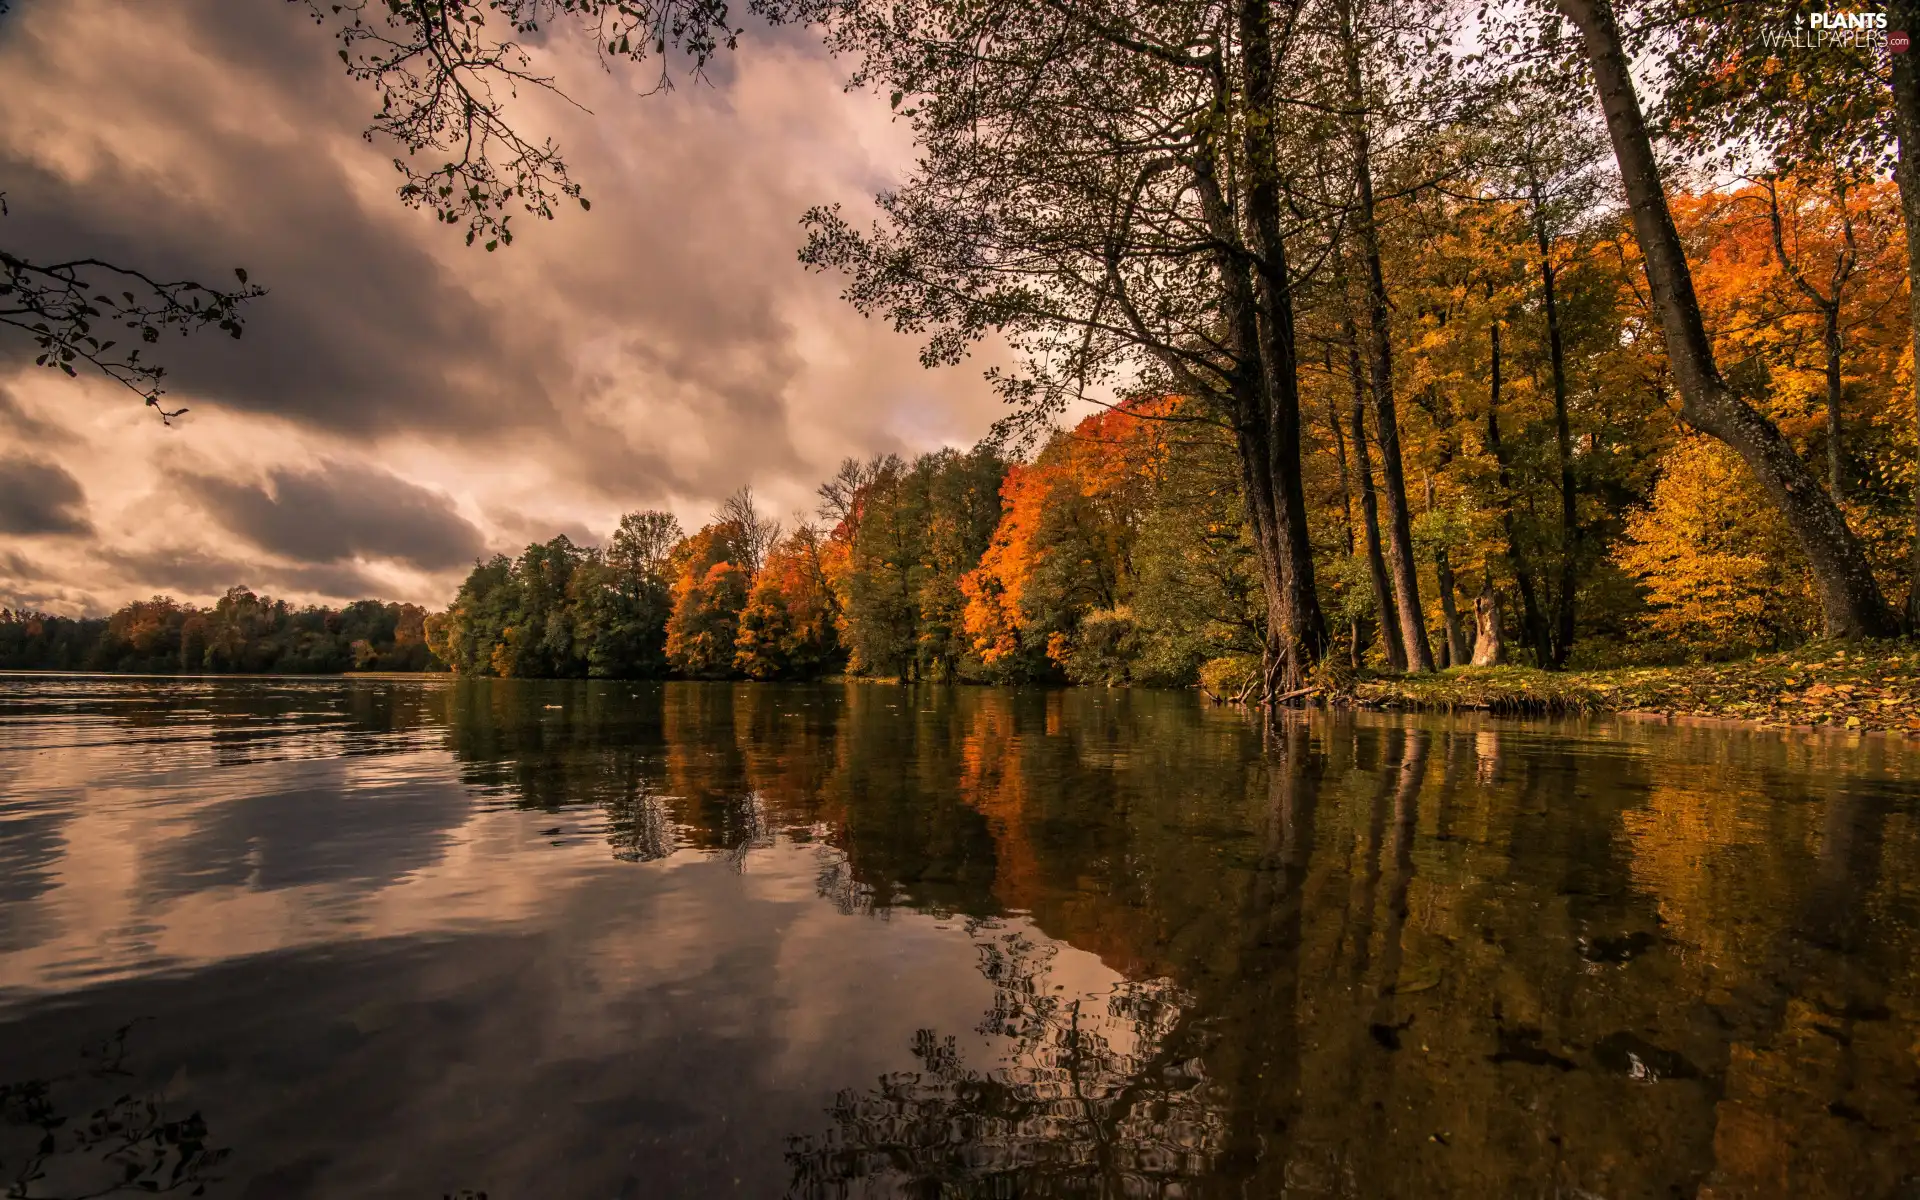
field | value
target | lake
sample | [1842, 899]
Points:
[420, 937]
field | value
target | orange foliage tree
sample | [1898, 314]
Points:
[1063, 547]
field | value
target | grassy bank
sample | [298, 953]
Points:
[1870, 686]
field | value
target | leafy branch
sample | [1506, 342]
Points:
[446, 70]
[67, 307]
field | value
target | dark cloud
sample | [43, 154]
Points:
[40, 498]
[365, 329]
[341, 511]
[362, 331]
[659, 351]
[196, 573]
[192, 571]
[337, 581]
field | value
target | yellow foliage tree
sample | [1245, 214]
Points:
[1720, 570]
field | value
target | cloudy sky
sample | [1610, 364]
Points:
[400, 403]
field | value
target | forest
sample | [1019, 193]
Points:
[1117, 550]
[1541, 459]
[1349, 336]
[1569, 335]
[241, 632]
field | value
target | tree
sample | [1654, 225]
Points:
[704, 629]
[1905, 84]
[1075, 194]
[1413, 643]
[623, 597]
[642, 547]
[762, 647]
[756, 533]
[1839, 108]
[1722, 574]
[1062, 550]
[1828, 303]
[1851, 602]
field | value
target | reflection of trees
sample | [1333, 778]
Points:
[81, 1134]
[1382, 956]
[1095, 1100]
[640, 827]
[837, 884]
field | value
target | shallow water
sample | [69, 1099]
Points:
[407, 937]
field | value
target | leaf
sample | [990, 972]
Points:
[1418, 983]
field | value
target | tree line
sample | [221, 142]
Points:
[1541, 463]
[241, 632]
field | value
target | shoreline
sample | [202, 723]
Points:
[1856, 688]
[1839, 688]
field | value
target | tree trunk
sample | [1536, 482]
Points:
[1562, 635]
[1836, 483]
[1276, 509]
[1340, 456]
[1406, 579]
[1305, 630]
[1370, 513]
[1489, 649]
[1828, 306]
[1850, 598]
[1905, 15]
[1456, 649]
[1453, 635]
[1532, 620]
[1356, 632]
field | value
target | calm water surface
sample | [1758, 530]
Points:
[412, 937]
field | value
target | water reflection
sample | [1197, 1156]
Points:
[863, 941]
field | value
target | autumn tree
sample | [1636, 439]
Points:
[1721, 572]
[1851, 600]
[788, 629]
[1061, 554]
[705, 626]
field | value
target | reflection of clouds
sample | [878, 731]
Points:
[182, 826]
[345, 822]
[621, 1032]
[31, 846]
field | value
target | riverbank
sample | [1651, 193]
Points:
[1856, 686]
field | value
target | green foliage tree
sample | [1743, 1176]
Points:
[908, 536]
